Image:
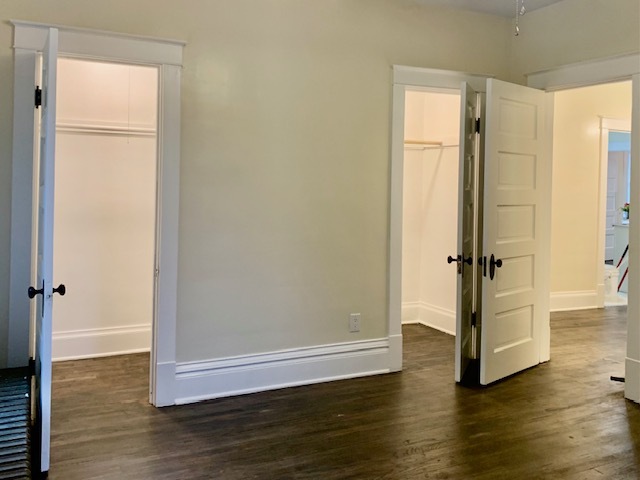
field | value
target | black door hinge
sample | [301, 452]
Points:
[477, 125]
[38, 97]
[474, 319]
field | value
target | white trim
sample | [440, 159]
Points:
[592, 72]
[166, 55]
[438, 318]
[100, 342]
[410, 313]
[204, 380]
[576, 300]
[432, 316]
[82, 42]
[545, 241]
[432, 78]
[632, 372]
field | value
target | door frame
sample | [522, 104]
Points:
[166, 55]
[407, 78]
[608, 70]
[606, 125]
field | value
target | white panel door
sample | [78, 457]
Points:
[43, 292]
[465, 308]
[516, 219]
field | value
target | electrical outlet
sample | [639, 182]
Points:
[354, 322]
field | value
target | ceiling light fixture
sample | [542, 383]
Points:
[520, 10]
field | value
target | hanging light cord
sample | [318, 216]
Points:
[520, 10]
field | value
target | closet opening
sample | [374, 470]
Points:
[430, 208]
[105, 208]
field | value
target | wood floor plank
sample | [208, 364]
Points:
[562, 420]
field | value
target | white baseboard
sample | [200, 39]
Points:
[100, 342]
[204, 380]
[438, 318]
[632, 379]
[165, 385]
[577, 300]
[410, 313]
[430, 316]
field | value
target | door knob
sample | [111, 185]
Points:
[32, 292]
[468, 261]
[61, 289]
[458, 261]
[493, 264]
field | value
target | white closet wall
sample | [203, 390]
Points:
[105, 198]
[430, 202]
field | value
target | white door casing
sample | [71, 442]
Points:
[44, 266]
[516, 219]
[466, 253]
[539, 329]
[409, 78]
[29, 39]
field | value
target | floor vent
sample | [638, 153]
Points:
[15, 413]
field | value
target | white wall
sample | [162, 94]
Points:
[285, 148]
[286, 112]
[104, 208]
[430, 203]
[575, 201]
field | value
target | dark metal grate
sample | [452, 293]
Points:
[15, 413]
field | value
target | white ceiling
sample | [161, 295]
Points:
[504, 8]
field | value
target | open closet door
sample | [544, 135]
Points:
[515, 285]
[43, 291]
[465, 308]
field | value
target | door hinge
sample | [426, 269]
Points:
[38, 97]
[474, 319]
[477, 125]
[32, 366]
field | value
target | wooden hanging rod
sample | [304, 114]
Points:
[423, 142]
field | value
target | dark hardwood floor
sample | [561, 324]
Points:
[561, 420]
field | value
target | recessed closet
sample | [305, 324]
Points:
[105, 208]
[430, 209]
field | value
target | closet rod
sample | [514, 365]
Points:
[423, 142]
[428, 147]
